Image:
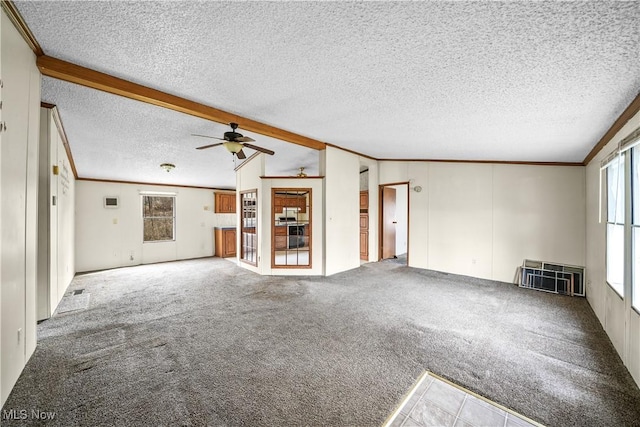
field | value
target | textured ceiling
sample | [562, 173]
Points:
[521, 81]
[117, 138]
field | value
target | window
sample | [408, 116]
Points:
[249, 227]
[291, 244]
[622, 177]
[158, 217]
[635, 226]
[615, 224]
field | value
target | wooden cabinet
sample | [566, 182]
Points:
[364, 222]
[281, 202]
[277, 204]
[364, 225]
[364, 200]
[225, 242]
[224, 202]
[280, 237]
[364, 245]
[302, 204]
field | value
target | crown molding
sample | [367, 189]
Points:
[116, 181]
[350, 151]
[626, 115]
[498, 162]
[15, 17]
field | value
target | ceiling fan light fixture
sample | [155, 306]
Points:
[233, 147]
[167, 166]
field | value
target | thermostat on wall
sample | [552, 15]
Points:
[111, 202]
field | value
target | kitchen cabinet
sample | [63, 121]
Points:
[281, 202]
[277, 204]
[364, 245]
[224, 202]
[364, 225]
[302, 204]
[225, 241]
[364, 200]
[364, 222]
[280, 237]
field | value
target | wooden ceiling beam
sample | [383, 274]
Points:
[67, 71]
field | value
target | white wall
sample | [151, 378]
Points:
[342, 210]
[619, 320]
[56, 222]
[539, 213]
[419, 221]
[108, 238]
[248, 178]
[482, 220]
[460, 218]
[18, 194]
[2, 396]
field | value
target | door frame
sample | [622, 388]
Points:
[380, 214]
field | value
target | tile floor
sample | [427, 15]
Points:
[434, 401]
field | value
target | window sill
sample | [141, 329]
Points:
[615, 290]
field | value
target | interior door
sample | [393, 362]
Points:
[388, 222]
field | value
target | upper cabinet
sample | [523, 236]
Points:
[281, 201]
[225, 202]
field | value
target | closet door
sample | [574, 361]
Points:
[18, 198]
[13, 160]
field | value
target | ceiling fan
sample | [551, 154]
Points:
[234, 142]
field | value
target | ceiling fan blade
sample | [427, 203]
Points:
[244, 139]
[255, 147]
[209, 146]
[241, 155]
[207, 136]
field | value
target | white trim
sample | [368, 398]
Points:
[606, 162]
[600, 172]
[626, 144]
[630, 141]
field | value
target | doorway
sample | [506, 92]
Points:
[364, 214]
[394, 222]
